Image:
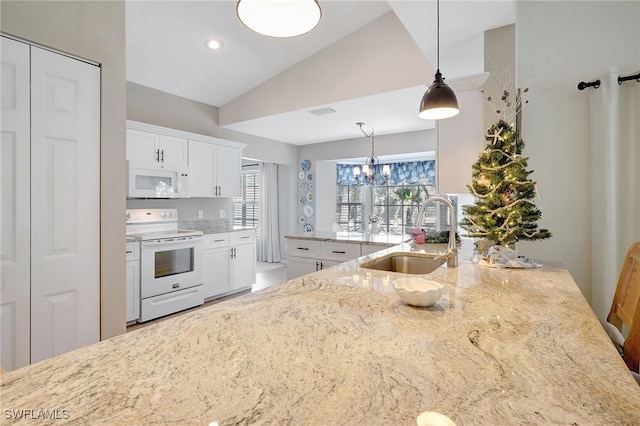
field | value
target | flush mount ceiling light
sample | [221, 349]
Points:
[279, 18]
[438, 101]
[213, 44]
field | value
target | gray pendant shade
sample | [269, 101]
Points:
[438, 101]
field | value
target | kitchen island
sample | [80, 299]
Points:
[337, 347]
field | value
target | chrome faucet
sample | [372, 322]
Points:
[452, 251]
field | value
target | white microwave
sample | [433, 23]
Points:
[148, 181]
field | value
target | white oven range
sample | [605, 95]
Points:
[171, 274]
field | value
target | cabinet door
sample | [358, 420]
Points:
[142, 147]
[216, 271]
[298, 266]
[243, 266]
[173, 151]
[228, 166]
[133, 290]
[201, 169]
[15, 251]
[65, 204]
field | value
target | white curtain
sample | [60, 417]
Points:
[268, 248]
[615, 183]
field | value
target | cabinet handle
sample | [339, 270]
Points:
[338, 252]
[129, 251]
[244, 238]
[158, 155]
[218, 241]
[321, 265]
[317, 266]
[163, 155]
[303, 248]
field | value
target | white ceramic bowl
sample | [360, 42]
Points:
[418, 291]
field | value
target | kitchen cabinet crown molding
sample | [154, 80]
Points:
[136, 125]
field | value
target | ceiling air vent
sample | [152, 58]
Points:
[323, 111]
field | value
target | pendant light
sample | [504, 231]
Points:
[279, 18]
[438, 101]
[366, 173]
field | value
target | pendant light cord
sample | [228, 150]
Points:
[438, 33]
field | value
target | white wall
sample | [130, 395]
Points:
[325, 195]
[560, 44]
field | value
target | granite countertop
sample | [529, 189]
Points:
[212, 226]
[352, 237]
[501, 347]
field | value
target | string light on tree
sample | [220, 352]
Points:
[504, 210]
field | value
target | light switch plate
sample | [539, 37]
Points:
[222, 214]
[200, 214]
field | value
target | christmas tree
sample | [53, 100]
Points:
[504, 210]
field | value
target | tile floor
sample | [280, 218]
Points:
[267, 275]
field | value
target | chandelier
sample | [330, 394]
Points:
[366, 172]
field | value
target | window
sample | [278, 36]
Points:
[349, 207]
[395, 203]
[246, 207]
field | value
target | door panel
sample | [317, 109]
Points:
[14, 206]
[228, 165]
[65, 164]
[142, 147]
[201, 169]
[243, 266]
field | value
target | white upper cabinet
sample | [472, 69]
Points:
[153, 148]
[228, 166]
[214, 170]
[214, 164]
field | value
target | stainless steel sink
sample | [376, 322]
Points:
[406, 264]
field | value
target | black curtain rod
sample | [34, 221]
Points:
[630, 77]
[595, 84]
[582, 85]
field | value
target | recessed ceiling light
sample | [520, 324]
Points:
[213, 44]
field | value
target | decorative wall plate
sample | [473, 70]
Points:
[306, 165]
[308, 210]
[302, 220]
[301, 175]
[309, 176]
[308, 228]
[311, 186]
[302, 200]
[303, 187]
[310, 196]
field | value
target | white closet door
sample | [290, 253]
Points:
[14, 206]
[65, 204]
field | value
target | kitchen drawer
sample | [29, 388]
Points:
[216, 240]
[303, 248]
[243, 237]
[133, 250]
[340, 251]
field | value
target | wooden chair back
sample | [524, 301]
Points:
[625, 308]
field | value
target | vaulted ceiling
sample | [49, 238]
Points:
[368, 61]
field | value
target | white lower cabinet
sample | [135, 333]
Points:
[306, 256]
[229, 262]
[216, 271]
[133, 281]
